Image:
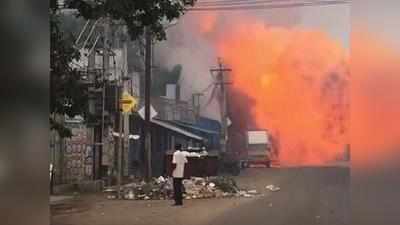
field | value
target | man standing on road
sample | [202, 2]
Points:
[178, 161]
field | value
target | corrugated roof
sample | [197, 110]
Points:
[176, 129]
[194, 127]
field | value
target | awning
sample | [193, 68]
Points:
[176, 129]
[197, 128]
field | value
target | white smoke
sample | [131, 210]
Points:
[196, 54]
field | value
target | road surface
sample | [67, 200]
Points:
[308, 196]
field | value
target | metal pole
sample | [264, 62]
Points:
[126, 115]
[91, 137]
[223, 105]
[119, 179]
[106, 67]
[53, 153]
[147, 124]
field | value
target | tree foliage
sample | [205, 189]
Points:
[137, 14]
[67, 95]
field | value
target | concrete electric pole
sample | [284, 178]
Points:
[91, 103]
[220, 77]
[125, 89]
[106, 69]
[147, 122]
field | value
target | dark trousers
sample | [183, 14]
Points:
[178, 191]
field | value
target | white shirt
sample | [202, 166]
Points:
[179, 158]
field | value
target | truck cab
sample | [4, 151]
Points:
[258, 148]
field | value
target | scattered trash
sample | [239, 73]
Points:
[273, 188]
[248, 195]
[252, 192]
[130, 195]
[161, 179]
[161, 188]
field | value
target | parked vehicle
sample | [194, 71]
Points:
[258, 148]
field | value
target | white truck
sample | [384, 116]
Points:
[258, 148]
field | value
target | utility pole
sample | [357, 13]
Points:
[125, 89]
[119, 178]
[91, 134]
[106, 68]
[147, 122]
[123, 141]
[223, 101]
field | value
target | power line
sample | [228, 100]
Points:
[261, 5]
[239, 2]
[268, 6]
[271, 2]
[236, 1]
[227, 1]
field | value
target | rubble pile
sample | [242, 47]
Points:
[213, 187]
[194, 188]
[273, 188]
[158, 189]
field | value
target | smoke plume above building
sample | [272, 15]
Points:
[294, 80]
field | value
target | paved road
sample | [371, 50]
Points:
[308, 196]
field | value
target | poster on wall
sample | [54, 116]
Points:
[78, 155]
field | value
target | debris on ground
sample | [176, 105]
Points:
[252, 192]
[194, 188]
[273, 188]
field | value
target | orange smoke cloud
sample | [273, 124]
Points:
[298, 81]
[207, 22]
[375, 97]
[298, 87]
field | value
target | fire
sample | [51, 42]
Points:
[298, 81]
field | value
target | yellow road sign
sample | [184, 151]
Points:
[128, 102]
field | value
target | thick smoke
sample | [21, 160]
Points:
[287, 79]
[187, 46]
[298, 81]
[191, 42]
[375, 68]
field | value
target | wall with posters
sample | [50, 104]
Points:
[78, 154]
